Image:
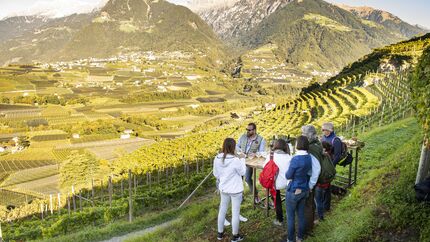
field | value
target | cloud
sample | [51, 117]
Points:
[59, 8]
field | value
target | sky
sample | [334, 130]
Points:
[411, 11]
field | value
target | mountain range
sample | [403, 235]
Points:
[120, 26]
[306, 32]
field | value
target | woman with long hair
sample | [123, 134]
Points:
[282, 158]
[228, 170]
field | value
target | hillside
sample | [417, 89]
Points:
[309, 34]
[119, 27]
[313, 31]
[386, 19]
[43, 42]
[15, 26]
[372, 92]
[380, 207]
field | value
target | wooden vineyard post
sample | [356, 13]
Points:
[172, 175]
[382, 115]
[41, 210]
[183, 162]
[92, 188]
[80, 200]
[73, 198]
[167, 177]
[68, 204]
[135, 183]
[122, 187]
[110, 191]
[59, 203]
[150, 181]
[353, 128]
[130, 201]
[197, 167]
[101, 190]
[51, 206]
[203, 165]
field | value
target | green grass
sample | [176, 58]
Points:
[380, 206]
[118, 228]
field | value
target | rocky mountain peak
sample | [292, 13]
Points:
[232, 21]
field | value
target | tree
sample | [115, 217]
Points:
[421, 97]
[78, 170]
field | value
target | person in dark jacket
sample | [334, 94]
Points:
[333, 147]
[330, 137]
[298, 189]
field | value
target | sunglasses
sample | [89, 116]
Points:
[249, 130]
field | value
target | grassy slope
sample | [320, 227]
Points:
[380, 207]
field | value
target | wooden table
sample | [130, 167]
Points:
[257, 163]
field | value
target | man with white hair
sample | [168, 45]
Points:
[316, 152]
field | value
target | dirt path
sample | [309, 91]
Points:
[141, 232]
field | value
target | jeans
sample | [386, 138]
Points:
[296, 203]
[323, 200]
[236, 200]
[248, 179]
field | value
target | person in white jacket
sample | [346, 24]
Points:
[228, 170]
[282, 158]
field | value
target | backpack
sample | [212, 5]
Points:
[346, 157]
[422, 190]
[269, 174]
[328, 171]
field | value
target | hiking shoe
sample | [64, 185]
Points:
[242, 218]
[277, 223]
[226, 223]
[236, 238]
[220, 236]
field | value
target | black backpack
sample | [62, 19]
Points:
[346, 157]
[422, 190]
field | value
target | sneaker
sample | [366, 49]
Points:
[226, 223]
[220, 236]
[242, 218]
[277, 223]
[236, 238]
[257, 200]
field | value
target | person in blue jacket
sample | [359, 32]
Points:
[330, 137]
[298, 188]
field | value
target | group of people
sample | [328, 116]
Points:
[299, 175]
